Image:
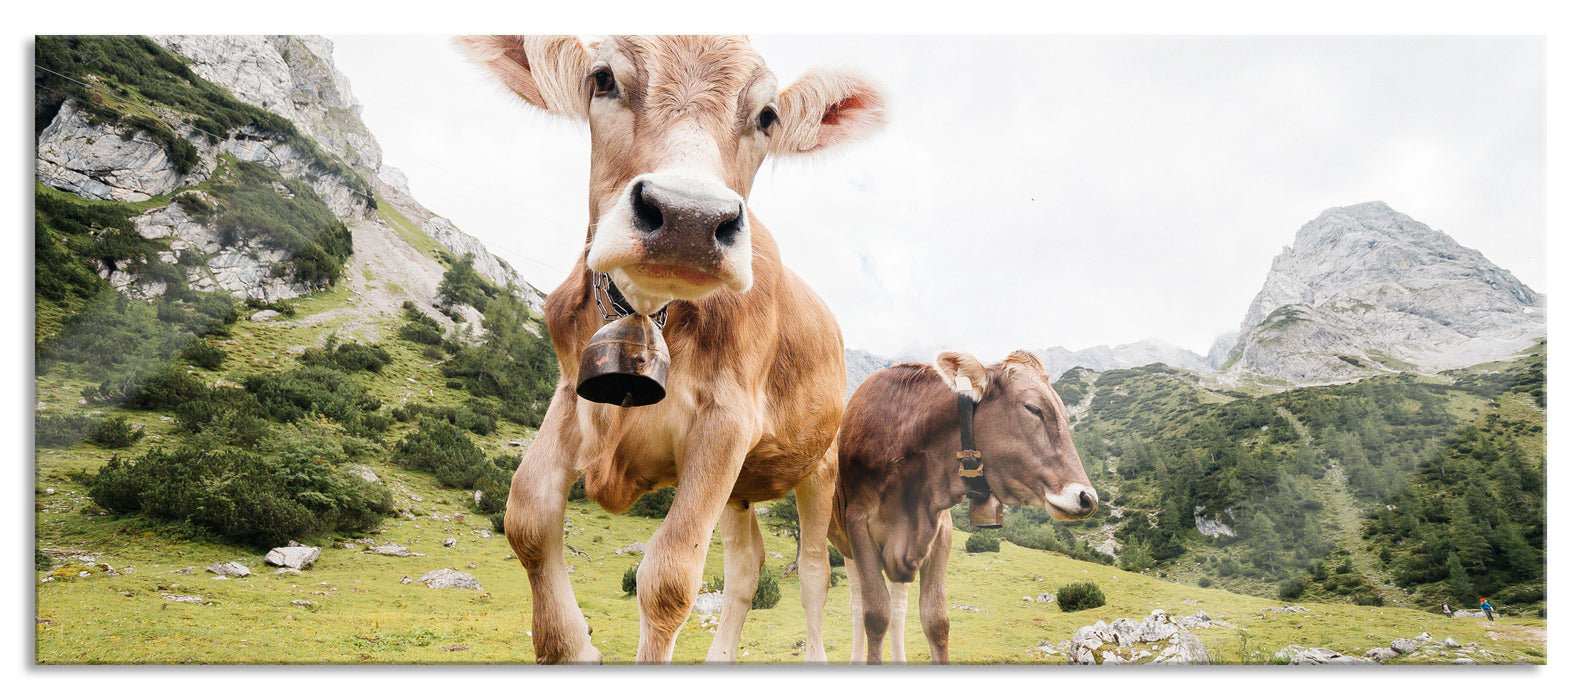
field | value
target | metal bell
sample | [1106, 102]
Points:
[625, 363]
[987, 512]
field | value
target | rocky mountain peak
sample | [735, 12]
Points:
[1365, 288]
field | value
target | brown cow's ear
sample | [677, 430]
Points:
[1028, 359]
[964, 373]
[547, 71]
[824, 108]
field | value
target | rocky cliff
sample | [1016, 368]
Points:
[1365, 289]
[100, 141]
[1103, 357]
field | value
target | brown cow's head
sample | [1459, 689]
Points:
[680, 125]
[1022, 430]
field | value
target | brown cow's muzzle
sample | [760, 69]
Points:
[625, 363]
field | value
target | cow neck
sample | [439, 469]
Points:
[971, 469]
[613, 304]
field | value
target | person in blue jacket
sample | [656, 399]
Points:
[1488, 610]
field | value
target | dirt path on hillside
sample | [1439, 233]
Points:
[382, 273]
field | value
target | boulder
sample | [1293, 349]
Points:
[391, 549]
[450, 542]
[1317, 656]
[231, 569]
[1403, 646]
[1127, 641]
[1044, 598]
[293, 557]
[1452, 643]
[1380, 654]
[450, 578]
[708, 603]
[633, 548]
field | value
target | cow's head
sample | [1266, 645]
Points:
[1024, 434]
[680, 125]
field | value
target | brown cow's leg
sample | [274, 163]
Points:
[744, 558]
[813, 504]
[875, 597]
[858, 635]
[931, 603]
[534, 516]
[898, 591]
[668, 578]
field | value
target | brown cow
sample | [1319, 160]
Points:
[900, 474]
[757, 380]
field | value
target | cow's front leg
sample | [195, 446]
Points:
[668, 578]
[931, 599]
[875, 595]
[534, 518]
[858, 631]
[814, 498]
[744, 558]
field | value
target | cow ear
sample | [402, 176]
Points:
[964, 373]
[548, 71]
[1029, 359]
[824, 108]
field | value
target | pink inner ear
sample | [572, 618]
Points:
[851, 114]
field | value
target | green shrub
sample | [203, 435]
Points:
[981, 541]
[296, 486]
[420, 328]
[204, 354]
[1292, 588]
[1204, 582]
[768, 593]
[61, 429]
[654, 504]
[114, 433]
[835, 558]
[1081, 595]
[441, 449]
[629, 580]
[351, 356]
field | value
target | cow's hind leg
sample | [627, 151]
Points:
[744, 559]
[898, 591]
[931, 602]
[858, 635]
[534, 518]
[814, 498]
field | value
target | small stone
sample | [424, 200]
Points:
[304, 603]
[1403, 646]
[181, 598]
[406, 579]
[450, 542]
[230, 569]
[457, 647]
[449, 578]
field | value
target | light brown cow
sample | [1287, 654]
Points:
[756, 384]
[900, 474]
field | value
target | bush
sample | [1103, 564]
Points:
[629, 581]
[204, 354]
[444, 450]
[1292, 588]
[351, 357]
[654, 504]
[114, 433]
[835, 558]
[982, 542]
[296, 486]
[1081, 595]
[768, 594]
[59, 429]
[1204, 582]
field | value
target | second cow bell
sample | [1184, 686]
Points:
[625, 363]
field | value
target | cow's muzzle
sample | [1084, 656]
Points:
[673, 236]
[1074, 502]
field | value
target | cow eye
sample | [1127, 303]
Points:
[767, 118]
[1035, 411]
[604, 83]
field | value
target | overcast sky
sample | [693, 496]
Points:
[1032, 191]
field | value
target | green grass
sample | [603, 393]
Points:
[413, 234]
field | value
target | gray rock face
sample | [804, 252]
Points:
[861, 363]
[450, 578]
[1365, 289]
[102, 161]
[230, 568]
[293, 76]
[1155, 640]
[292, 557]
[483, 262]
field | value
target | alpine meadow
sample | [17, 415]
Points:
[279, 403]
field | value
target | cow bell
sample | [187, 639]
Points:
[985, 512]
[625, 363]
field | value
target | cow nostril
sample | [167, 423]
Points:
[646, 214]
[1085, 502]
[726, 232]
